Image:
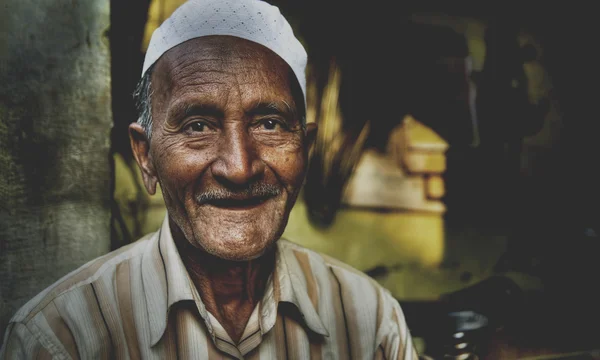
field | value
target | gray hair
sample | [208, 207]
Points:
[142, 97]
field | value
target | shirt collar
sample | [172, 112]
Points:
[166, 282]
[287, 284]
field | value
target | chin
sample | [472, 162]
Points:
[239, 235]
[238, 245]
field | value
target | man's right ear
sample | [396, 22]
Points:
[140, 145]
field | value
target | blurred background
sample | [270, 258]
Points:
[456, 160]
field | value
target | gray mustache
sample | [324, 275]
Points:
[256, 190]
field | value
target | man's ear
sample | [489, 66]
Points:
[140, 145]
[311, 135]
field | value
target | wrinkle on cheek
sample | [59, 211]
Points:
[167, 148]
[292, 158]
[183, 167]
[289, 168]
[161, 138]
[287, 143]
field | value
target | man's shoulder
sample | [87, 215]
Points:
[342, 291]
[323, 265]
[80, 278]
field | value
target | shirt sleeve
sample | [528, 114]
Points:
[20, 343]
[394, 339]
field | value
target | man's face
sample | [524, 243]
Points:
[227, 147]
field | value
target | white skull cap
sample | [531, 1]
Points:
[252, 20]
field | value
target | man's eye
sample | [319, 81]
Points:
[197, 126]
[270, 124]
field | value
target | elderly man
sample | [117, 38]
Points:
[222, 130]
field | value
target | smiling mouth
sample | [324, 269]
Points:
[238, 204]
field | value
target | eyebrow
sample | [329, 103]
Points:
[281, 108]
[182, 111]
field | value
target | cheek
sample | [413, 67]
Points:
[287, 164]
[179, 165]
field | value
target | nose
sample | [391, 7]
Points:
[238, 162]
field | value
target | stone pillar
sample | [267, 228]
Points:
[55, 120]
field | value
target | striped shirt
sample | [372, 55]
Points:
[138, 302]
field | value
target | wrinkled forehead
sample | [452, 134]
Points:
[221, 50]
[220, 59]
[226, 75]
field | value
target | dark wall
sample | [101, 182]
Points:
[55, 120]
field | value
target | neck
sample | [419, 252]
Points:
[230, 290]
